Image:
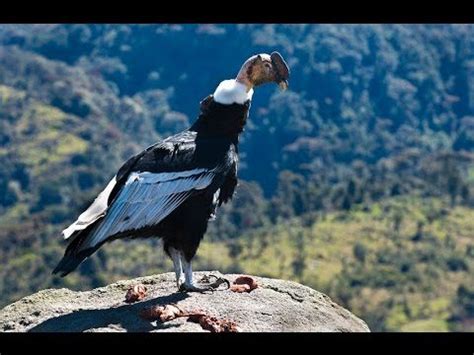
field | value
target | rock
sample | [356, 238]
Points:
[276, 305]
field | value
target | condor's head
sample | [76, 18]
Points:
[264, 68]
[257, 70]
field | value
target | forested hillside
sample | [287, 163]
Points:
[358, 181]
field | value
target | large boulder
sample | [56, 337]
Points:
[275, 306]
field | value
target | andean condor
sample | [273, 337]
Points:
[171, 189]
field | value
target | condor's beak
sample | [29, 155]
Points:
[281, 70]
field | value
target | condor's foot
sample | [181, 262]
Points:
[205, 284]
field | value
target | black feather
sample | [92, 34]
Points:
[73, 257]
[212, 141]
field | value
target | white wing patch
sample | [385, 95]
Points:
[146, 199]
[95, 211]
[231, 91]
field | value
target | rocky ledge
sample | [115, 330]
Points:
[274, 306]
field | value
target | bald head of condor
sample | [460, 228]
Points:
[226, 111]
[172, 189]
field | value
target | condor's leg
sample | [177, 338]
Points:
[194, 229]
[178, 269]
[190, 286]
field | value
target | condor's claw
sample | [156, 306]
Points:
[206, 286]
[219, 281]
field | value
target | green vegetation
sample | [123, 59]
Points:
[395, 279]
[358, 181]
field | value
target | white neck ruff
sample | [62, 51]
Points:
[231, 91]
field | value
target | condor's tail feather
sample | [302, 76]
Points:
[74, 255]
[78, 232]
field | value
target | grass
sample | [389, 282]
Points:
[396, 283]
[56, 134]
[8, 93]
[414, 291]
[426, 325]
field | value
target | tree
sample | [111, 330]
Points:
[360, 252]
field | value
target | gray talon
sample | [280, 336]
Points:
[208, 286]
[219, 281]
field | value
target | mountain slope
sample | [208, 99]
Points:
[374, 114]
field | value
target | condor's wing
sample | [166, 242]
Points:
[99, 207]
[146, 199]
[158, 183]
